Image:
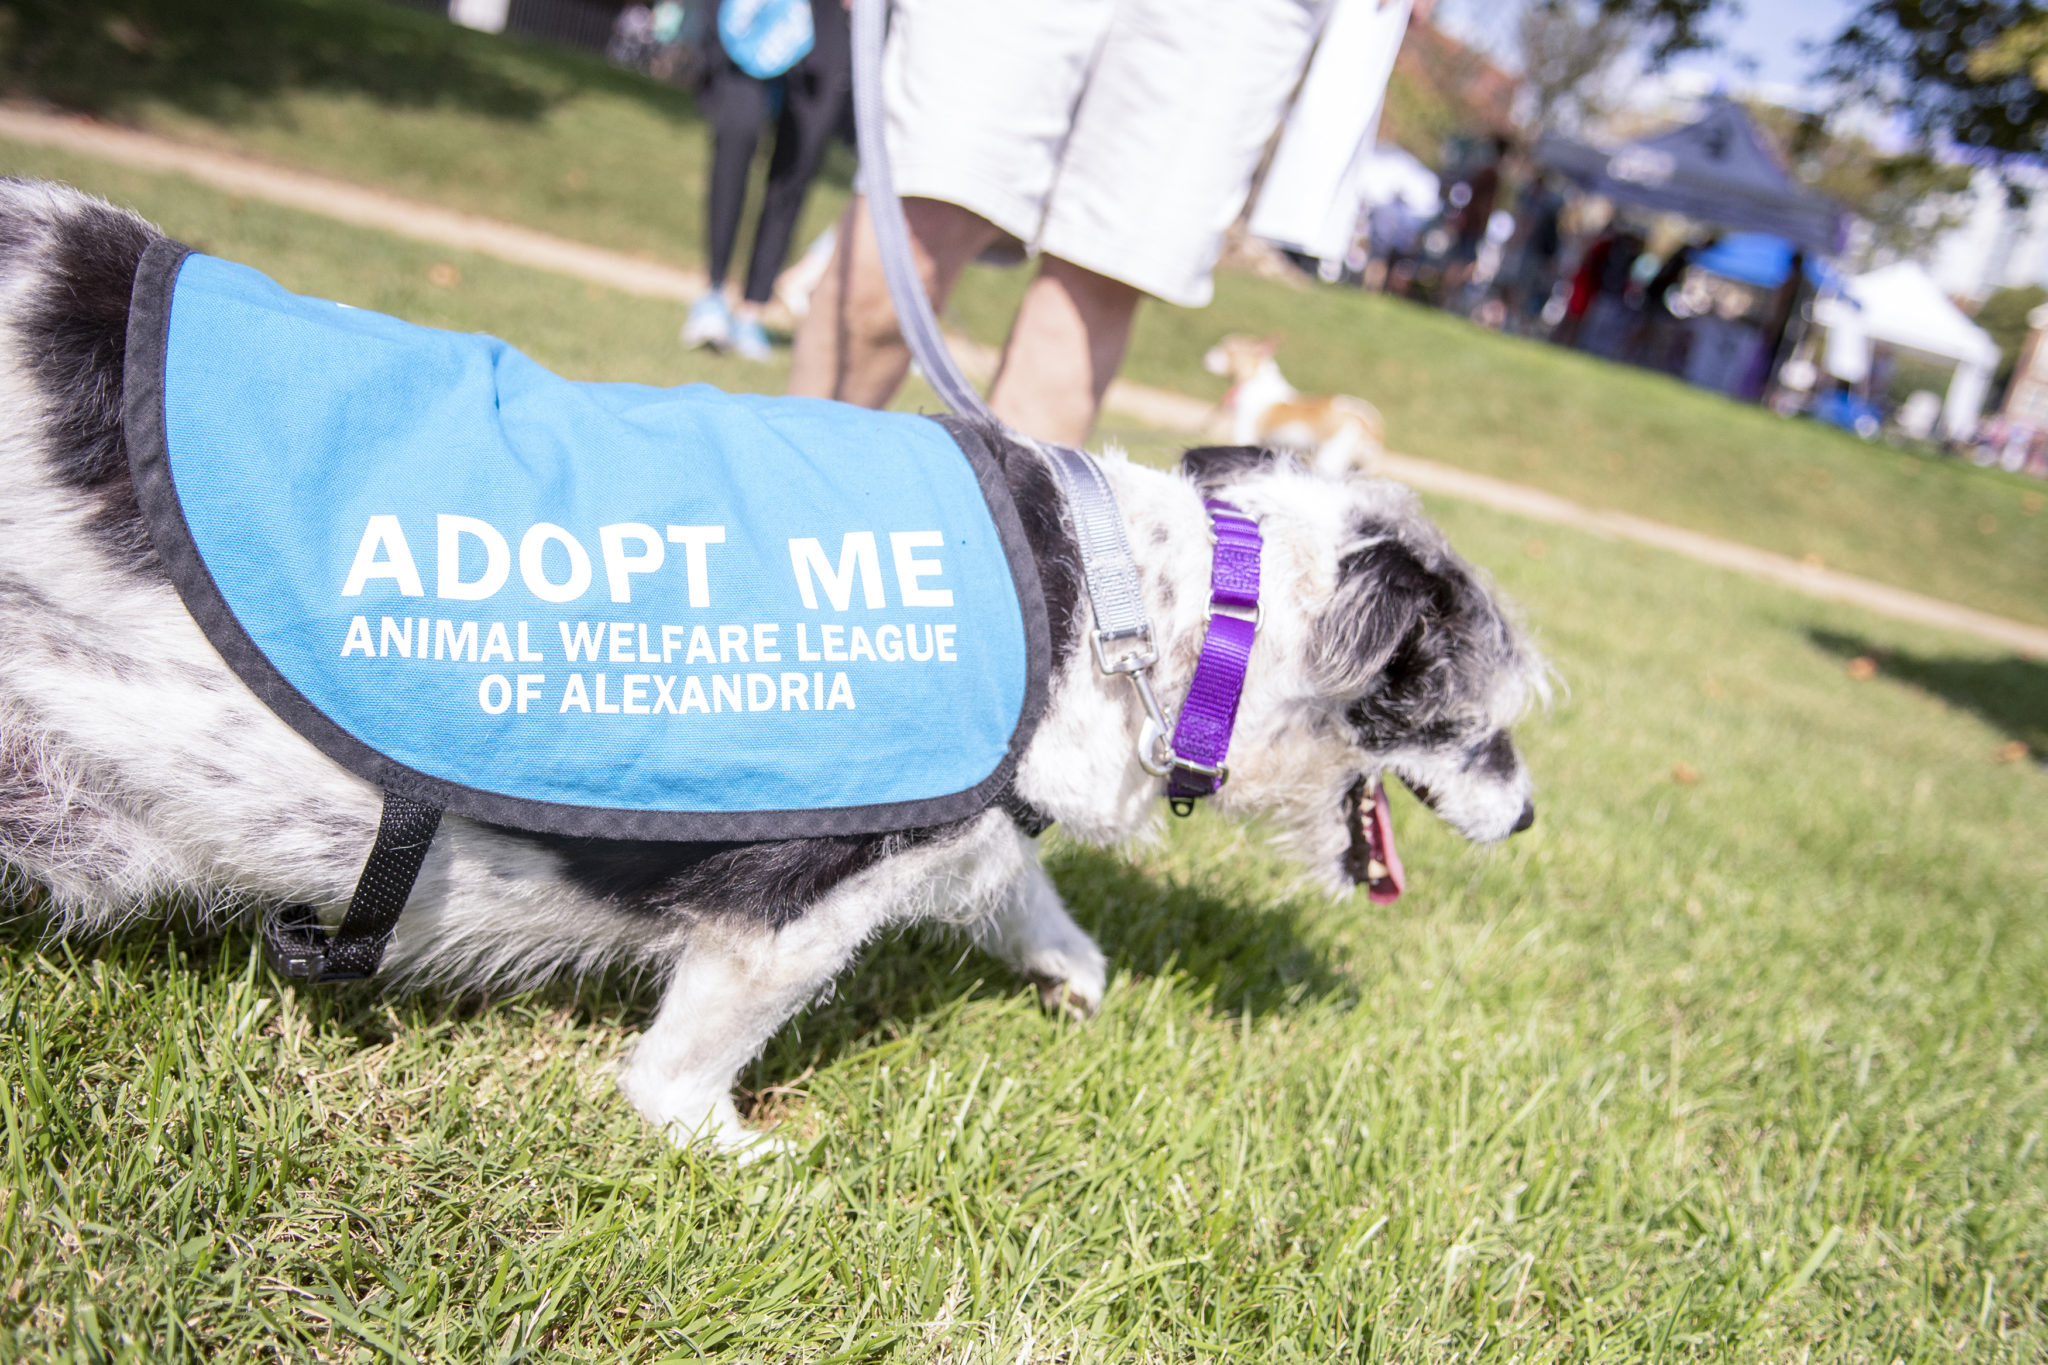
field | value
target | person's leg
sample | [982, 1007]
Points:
[1065, 346]
[849, 346]
[814, 100]
[975, 146]
[1179, 103]
[799, 148]
[737, 106]
[787, 181]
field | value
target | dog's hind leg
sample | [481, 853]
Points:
[1031, 930]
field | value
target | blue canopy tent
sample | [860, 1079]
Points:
[1718, 170]
[1752, 258]
[1762, 261]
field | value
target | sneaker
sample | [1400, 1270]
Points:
[749, 341]
[709, 324]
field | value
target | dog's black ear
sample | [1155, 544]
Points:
[1410, 636]
[1210, 467]
[1383, 592]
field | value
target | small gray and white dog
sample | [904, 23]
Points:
[135, 766]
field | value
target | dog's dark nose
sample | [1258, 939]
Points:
[1526, 818]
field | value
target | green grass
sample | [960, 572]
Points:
[1721, 1071]
[1744, 1068]
[580, 330]
[388, 96]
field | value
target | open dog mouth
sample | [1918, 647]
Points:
[1372, 860]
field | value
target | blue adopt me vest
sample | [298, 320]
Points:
[599, 610]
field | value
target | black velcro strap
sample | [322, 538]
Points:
[293, 939]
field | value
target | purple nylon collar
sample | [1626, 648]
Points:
[1201, 734]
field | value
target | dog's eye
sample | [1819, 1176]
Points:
[1495, 756]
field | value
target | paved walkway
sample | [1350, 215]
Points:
[235, 173]
[1157, 408]
[1830, 585]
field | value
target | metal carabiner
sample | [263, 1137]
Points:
[1155, 743]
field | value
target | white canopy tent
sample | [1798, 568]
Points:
[1901, 306]
[1389, 174]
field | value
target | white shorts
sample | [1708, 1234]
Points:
[1120, 135]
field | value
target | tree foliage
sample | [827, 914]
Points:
[1969, 71]
[2005, 315]
[1974, 72]
[2023, 48]
[1569, 50]
[1909, 199]
[1668, 26]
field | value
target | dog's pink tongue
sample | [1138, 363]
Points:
[1387, 887]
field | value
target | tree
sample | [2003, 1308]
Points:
[1908, 199]
[1966, 71]
[1568, 53]
[2005, 316]
[1570, 50]
[2024, 48]
[1972, 72]
[1668, 27]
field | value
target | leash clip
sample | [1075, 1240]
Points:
[1141, 657]
[1155, 750]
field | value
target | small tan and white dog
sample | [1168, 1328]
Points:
[1336, 434]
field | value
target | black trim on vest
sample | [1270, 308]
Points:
[292, 937]
[143, 422]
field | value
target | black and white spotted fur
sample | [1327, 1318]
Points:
[134, 766]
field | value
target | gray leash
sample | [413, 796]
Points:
[892, 235]
[1123, 633]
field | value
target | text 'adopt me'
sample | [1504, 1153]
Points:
[556, 568]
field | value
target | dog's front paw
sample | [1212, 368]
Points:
[698, 1119]
[742, 1144]
[1071, 984]
[719, 1131]
[1066, 999]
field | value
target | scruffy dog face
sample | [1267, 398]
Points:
[1413, 667]
[1434, 673]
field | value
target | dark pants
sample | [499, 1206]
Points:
[814, 96]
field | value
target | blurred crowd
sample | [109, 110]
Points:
[1517, 249]
[1520, 249]
[665, 40]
